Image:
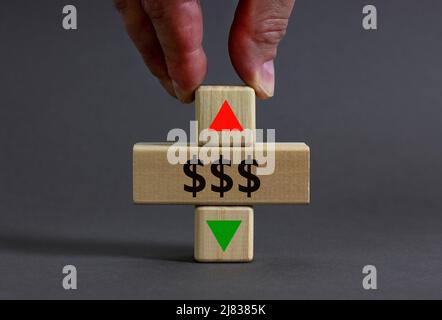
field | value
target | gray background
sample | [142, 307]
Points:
[72, 104]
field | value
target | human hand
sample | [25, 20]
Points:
[169, 33]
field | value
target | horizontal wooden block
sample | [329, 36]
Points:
[156, 181]
[214, 106]
[223, 234]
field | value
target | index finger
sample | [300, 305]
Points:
[179, 28]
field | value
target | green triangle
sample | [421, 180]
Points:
[223, 230]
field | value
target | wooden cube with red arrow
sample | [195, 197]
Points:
[226, 109]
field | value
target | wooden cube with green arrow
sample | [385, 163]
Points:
[223, 234]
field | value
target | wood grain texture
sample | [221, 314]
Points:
[156, 181]
[209, 99]
[207, 249]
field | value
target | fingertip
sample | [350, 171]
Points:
[168, 85]
[185, 96]
[179, 27]
[253, 68]
[257, 29]
[260, 76]
[187, 74]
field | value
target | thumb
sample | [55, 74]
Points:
[257, 29]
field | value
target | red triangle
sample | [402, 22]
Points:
[225, 119]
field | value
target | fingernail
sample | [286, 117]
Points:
[266, 81]
[182, 95]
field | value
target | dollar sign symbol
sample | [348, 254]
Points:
[190, 171]
[249, 176]
[222, 177]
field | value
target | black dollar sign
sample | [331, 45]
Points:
[249, 176]
[190, 171]
[222, 177]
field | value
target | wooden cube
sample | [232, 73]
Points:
[157, 181]
[223, 234]
[228, 108]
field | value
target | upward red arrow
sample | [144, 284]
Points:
[225, 119]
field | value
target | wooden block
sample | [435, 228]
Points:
[213, 100]
[223, 234]
[156, 181]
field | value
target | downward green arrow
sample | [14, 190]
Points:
[224, 230]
